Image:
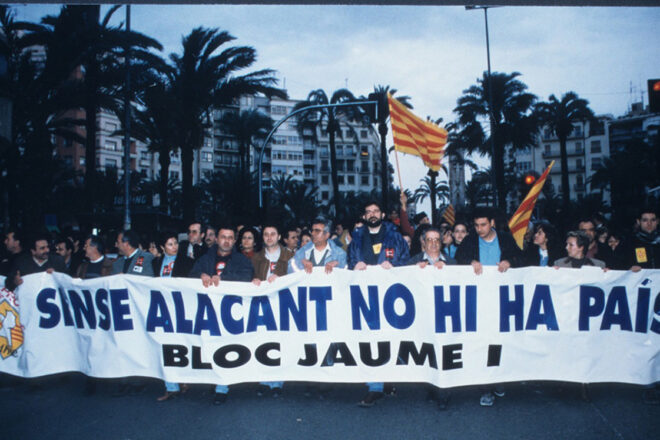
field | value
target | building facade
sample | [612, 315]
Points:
[304, 158]
[587, 147]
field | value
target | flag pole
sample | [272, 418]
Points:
[398, 171]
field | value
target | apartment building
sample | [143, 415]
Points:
[287, 153]
[587, 146]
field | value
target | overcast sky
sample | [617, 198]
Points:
[431, 53]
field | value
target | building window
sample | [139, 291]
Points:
[350, 165]
[174, 175]
[578, 164]
[324, 195]
[340, 179]
[111, 145]
[110, 163]
[207, 157]
[351, 180]
[325, 179]
[363, 134]
[278, 110]
[595, 146]
[577, 130]
[596, 163]
[578, 147]
[82, 161]
[110, 127]
[364, 166]
[547, 149]
[364, 180]
[324, 165]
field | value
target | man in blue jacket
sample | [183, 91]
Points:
[377, 243]
[222, 263]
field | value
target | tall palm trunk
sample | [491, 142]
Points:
[164, 162]
[187, 186]
[433, 175]
[91, 107]
[333, 164]
[382, 130]
[500, 190]
[565, 188]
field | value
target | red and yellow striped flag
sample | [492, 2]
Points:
[520, 220]
[413, 135]
[449, 215]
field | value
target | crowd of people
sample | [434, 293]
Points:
[261, 253]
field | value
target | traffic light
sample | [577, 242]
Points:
[654, 95]
[529, 179]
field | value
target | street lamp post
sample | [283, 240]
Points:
[490, 103]
[281, 121]
[127, 127]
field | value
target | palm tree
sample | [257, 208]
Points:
[512, 121]
[433, 190]
[155, 125]
[204, 79]
[559, 117]
[457, 144]
[479, 190]
[247, 126]
[380, 94]
[328, 120]
[87, 53]
[229, 196]
[39, 95]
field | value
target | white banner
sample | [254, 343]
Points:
[448, 327]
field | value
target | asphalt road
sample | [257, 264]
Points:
[57, 408]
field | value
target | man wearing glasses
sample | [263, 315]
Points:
[320, 251]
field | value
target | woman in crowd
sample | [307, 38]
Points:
[545, 248]
[305, 237]
[248, 241]
[168, 265]
[459, 232]
[577, 243]
[616, 242]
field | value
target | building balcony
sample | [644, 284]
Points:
[569, 152]
[571, 169]
[309, 161]
[579, 187]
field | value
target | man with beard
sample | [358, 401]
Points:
[376, 243]
[223, 263]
